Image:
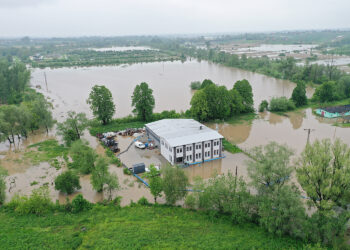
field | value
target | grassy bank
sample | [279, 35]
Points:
[154, 227]
[230, 147]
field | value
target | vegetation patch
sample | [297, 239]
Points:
[230, 147]
[136, 227]
[45, 151]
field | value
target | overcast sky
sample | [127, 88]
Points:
[46, 18]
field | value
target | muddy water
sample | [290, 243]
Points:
[287, 129]
[69, 87]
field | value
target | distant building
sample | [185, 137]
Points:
[334, 112]
[185, 141]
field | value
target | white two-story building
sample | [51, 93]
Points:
[185, 141]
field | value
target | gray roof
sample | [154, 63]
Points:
[179, 132]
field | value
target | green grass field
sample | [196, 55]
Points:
[138, 227]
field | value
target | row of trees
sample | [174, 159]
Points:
[216, 102]
[273, 201]
[14, 80]
[103, 107]
[32, 114]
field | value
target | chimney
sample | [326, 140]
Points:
[200, 127]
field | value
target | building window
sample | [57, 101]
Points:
[170, 149]
[171, 159]
[188, 148]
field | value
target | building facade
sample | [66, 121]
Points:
[185, 141]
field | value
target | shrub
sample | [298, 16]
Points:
[143, 201]
[281, 104]
[126, 171]
[190, 201]
[83, 157]
[79, 204]
[38, 203]
[263, 105]
[196, 85]
[67, 182]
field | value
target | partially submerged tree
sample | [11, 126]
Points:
[143, 101]
[100, 175]
[72, 128]
[245, 90]
[101, 103]
[83, 157]
[67, 182]
[299, 94]
[175, 183]
[112, 184]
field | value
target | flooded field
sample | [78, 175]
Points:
[69, 87]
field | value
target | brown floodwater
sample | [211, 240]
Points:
[69, 88]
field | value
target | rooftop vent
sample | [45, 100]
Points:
[200, 127]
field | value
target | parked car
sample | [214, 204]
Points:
[140, 145]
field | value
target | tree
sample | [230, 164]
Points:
[245, 90]
[143, 101]
[199, 106]
[237, 105]
[323, 172]
[9, 123]
[101, 103]
[325, 92]
[206, 82]
[299, 95]
[281, 104]
[264, 105]
[279, 206]
[100, 175]
[67, 182]
[175, 183]
[41, 110]
[226, 194]
[3, 174]
[270, 167]
[72, 128]
[83, 157]
[112, 184]
[155, 182]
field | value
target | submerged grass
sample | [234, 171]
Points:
[137, 227]
[45, 151]
[230, 147]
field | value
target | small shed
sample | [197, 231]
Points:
[334, 112]
[138, 168]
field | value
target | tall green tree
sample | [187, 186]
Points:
[100, 175]
[112, 184]
[155, 182]
[175, 183]
[67, 182]
[3, 174]
[299, 94]
[245, 90]
[101, 103]
[143, 101]
[326, 92]
[323, 172]
[73, 127]
[199, 106]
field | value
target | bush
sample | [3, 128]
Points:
[263, 105]
[38, 203]
[83, 157]
[190, 201]
[143, 201]
[196, 85]
[281, 104]
[126, 171]
[67, 182]
[79, 204]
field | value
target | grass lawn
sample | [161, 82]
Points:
[138, 227]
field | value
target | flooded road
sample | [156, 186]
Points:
[69, 87]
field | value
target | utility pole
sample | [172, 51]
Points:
[47, 89]
[309, 130]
